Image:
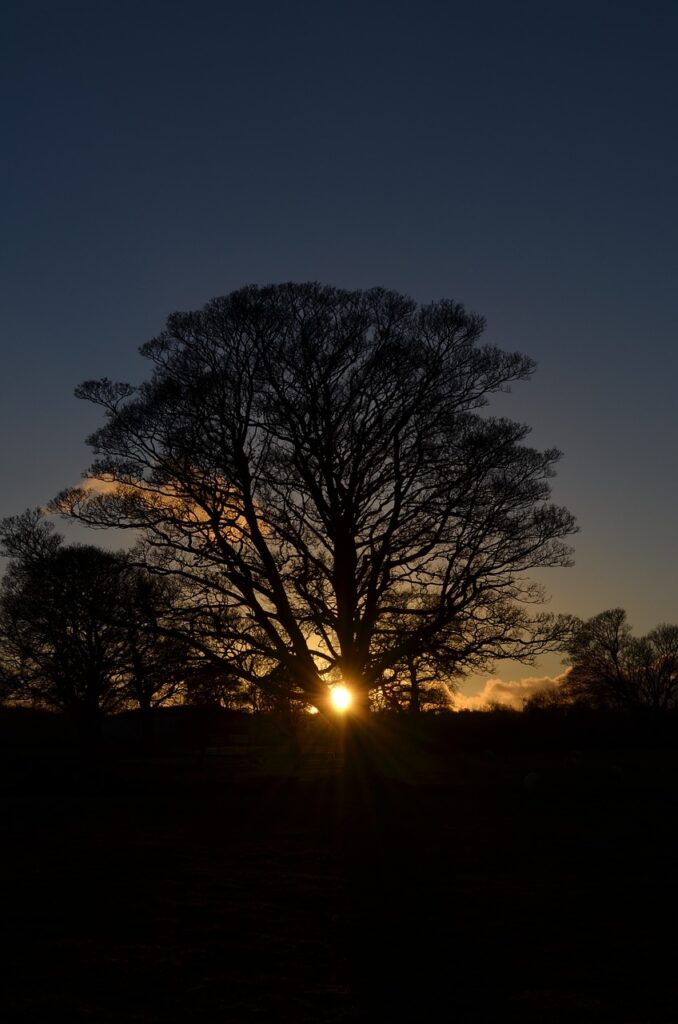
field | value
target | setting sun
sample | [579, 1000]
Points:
[341, 698]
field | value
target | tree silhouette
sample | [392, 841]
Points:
[80, 628]
[58, 609]
[156, 654]
[317, 461]
[610, 668]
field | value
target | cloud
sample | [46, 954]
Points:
[98, 485]
[512, 694]
[170, 497]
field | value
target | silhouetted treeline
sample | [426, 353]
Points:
[83, 630]
[91, 633]
[612, 670]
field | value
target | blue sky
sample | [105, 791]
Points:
[520, 158]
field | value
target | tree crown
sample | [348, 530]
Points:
[318, 462]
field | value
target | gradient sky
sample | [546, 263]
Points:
[521, 158]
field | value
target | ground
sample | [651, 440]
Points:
[237, 885]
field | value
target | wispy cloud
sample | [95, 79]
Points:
[512, 694]
[99, 486]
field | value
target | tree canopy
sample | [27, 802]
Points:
[81, 628]
[318, 463]
[612, 669]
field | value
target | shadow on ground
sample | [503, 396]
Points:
[505, 887]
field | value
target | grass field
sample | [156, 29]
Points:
[497, 885]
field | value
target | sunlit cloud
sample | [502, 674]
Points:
[172, 499]
[511, 694]
[98, 485]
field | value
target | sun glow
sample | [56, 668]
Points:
[341, 698]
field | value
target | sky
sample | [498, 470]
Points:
[520, 158]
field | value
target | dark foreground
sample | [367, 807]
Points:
[241, 886]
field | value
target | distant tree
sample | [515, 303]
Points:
[417, 687]
[425, 679]
[211, 685]
[229, 685]
[58, 628]
[610, 668]
[421, 682]
[80, 627]
[599, 655]
[655, 666]
[317, 461]
[156, 655]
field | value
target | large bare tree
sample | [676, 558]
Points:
[318, 462]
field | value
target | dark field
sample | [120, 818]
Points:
[492, 873]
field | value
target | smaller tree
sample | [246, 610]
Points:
[598, 652]
[612, 669]
[81, 629]
[156, 654]
[428, 678]
[58, 621]
[654, 666]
